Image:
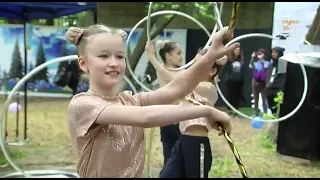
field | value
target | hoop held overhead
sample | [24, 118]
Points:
[144, 19]
[217, 13]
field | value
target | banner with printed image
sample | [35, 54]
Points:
[144, 70]
[291, 22]
[45, 43]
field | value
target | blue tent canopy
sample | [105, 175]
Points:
[43, 10]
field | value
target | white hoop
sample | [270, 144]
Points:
[217, 13]
[146, 18]
[17, 87]
[304, 94]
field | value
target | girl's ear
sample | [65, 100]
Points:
[82, 64]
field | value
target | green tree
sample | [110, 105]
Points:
[199, 10]
[43, 74]
[16, 69]
[31, 67]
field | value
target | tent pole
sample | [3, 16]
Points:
[26, 83]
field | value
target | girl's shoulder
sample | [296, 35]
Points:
[127, 98]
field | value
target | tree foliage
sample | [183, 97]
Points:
[43, 74]
[16, 69]
[198, 10]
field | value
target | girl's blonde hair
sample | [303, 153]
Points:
[79, 36]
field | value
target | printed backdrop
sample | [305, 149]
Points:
[292, 20]
[45, 43]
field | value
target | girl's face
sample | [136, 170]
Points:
[274, 54]
[104, 61]
[260, 55]
[237, 51]
[175, 56]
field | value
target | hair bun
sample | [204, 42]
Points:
[122, 33]
[74, 34]
[161, 43]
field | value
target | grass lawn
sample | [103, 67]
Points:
[49, 147]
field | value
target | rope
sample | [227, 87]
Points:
[235, 153]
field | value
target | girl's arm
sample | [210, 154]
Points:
[186, 81]
[149, 116]
[85, 111]
[162, 72]
[159, 115]
[251, 63]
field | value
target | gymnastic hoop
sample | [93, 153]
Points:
[305, 79]
[16, 88]
[217, 13]
[143, 20]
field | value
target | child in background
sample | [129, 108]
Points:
[260, 77]
[171, 55]
[191, 156]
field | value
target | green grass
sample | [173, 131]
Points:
[49, 146]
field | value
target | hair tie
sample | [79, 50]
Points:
[161, 44]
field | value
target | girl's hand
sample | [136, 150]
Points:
[217, 49]
[253, 55]
[220, 118]
[150, 49]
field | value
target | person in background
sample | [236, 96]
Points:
[260, 77]
[234, 78]
[171, 55]
[277, 78]
[194, 143]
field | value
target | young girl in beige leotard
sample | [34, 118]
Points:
[106, 127]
